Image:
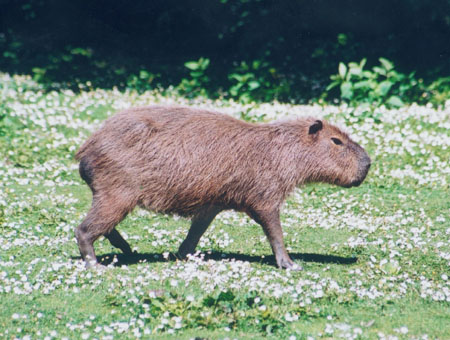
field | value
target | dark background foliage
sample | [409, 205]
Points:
[106, 41]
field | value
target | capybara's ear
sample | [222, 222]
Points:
[315, 127]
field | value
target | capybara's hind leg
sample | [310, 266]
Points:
[119, 242]
[100, 220]
[200, 223]
[85, 242]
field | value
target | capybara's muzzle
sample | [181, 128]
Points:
[363, 171]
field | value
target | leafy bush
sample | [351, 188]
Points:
[257, 81]
[197, 84]
[438, 92]
[383, 85]
[143, 81]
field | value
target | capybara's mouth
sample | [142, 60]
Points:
[356, 183]
[361, 178]
[364, 173]
[353, 184]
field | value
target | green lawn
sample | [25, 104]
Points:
[376, 258]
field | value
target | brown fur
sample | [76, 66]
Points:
[197, 163]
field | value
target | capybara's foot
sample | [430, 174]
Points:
[185, 249]
[98, 267]
[183, 253]
[295, 267]
[287, 263]
[91, 263]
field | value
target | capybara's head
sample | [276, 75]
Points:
[338, 159]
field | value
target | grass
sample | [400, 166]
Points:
[376, 258]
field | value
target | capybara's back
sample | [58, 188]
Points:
[196, 163]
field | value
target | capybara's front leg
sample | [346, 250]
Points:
[270, 222]
[200, 223]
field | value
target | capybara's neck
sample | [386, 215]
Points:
[293, 153]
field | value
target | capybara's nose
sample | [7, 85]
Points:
[366, 163]
[355, 183]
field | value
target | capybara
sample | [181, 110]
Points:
[197, 163]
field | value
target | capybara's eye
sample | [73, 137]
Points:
[336, 141]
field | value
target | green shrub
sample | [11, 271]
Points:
[257, 81]
[143, 81]
[438, 92]
[382, 85]
[198, 83]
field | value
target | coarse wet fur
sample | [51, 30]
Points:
[197, 163]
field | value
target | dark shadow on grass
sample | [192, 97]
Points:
[121, 259]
